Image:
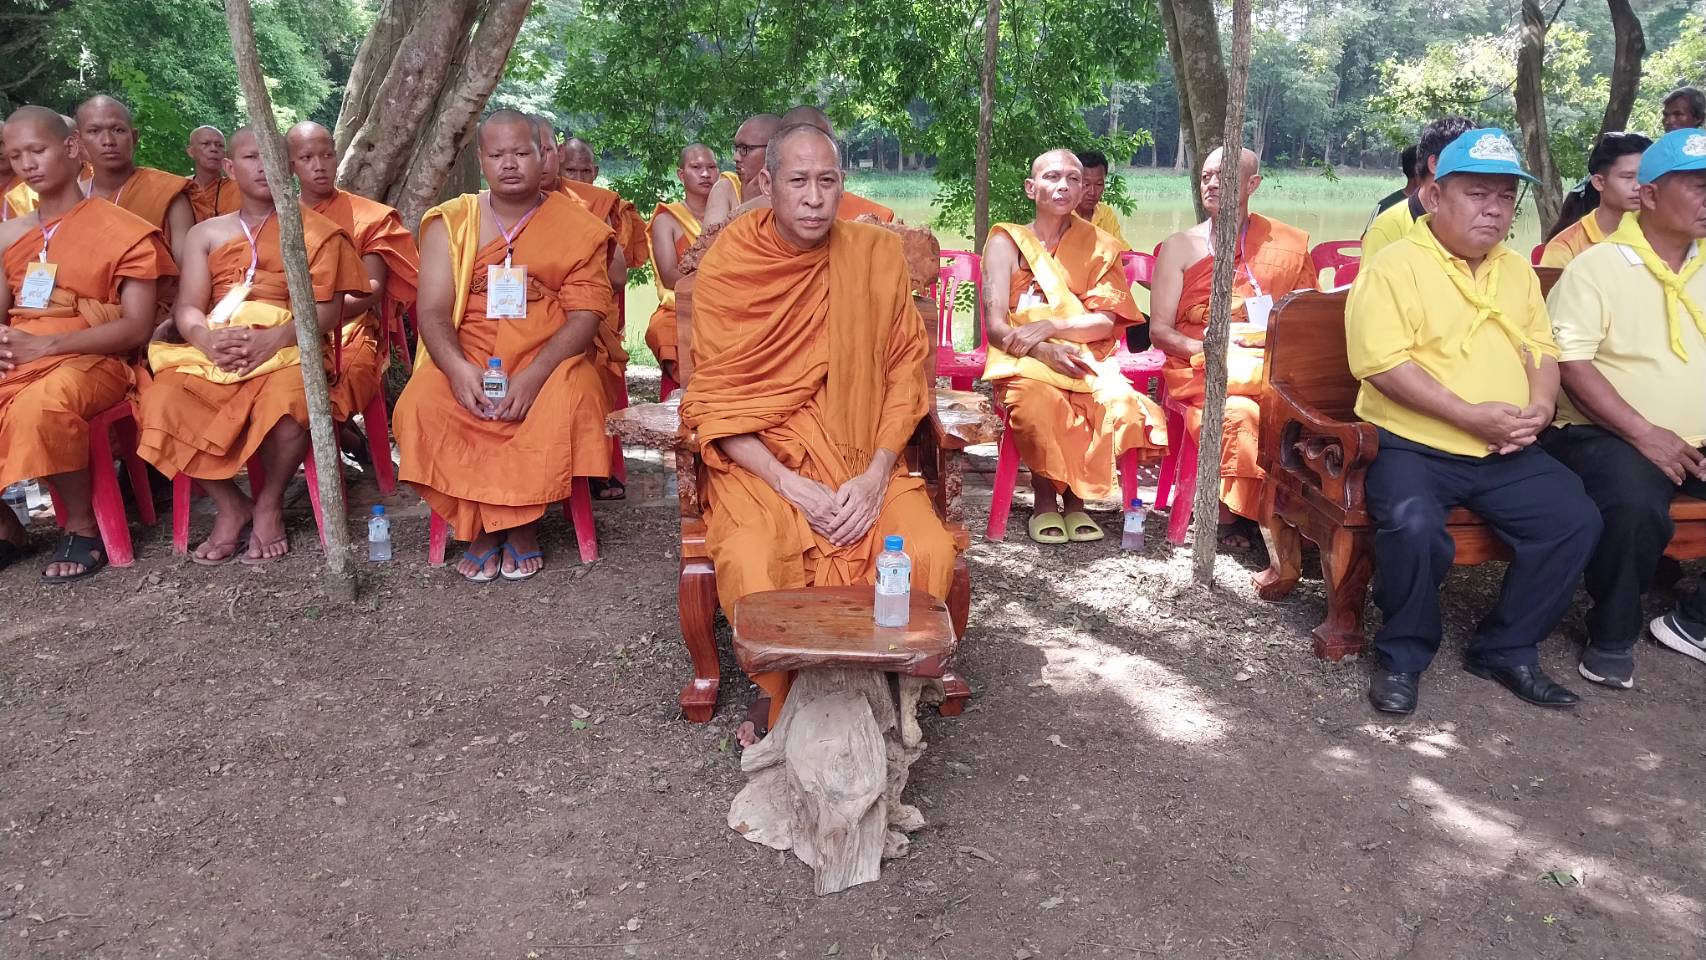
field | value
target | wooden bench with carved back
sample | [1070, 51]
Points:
[1317, 454]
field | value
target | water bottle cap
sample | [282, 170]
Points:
[379, 509]
[1136, 502]
[494, 364]
[892, 542]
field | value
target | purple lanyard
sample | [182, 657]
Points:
[509, 233]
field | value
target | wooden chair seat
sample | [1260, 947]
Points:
[811, 627]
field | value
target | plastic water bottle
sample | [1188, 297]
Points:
[894, 584]
[495, 383]
[1135, 514]
[17, 497]
[378, 535]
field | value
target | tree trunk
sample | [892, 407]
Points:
[1630, 46]
[340, 579]
[1205, 538]
[1179, 150]
[422, 87]
[986, 120]
[1199, 74]
[1531, 114]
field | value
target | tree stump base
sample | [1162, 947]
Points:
[827, 781]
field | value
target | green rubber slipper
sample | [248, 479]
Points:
[1047, 528]
[1081, 529]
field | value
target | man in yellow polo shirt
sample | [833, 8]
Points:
[1629, 315]
[1448, 334]
[1090, 206]
[1394, 222]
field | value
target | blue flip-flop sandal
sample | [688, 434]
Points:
[480, 560]
[518, 557]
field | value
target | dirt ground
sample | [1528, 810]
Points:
[217, 763]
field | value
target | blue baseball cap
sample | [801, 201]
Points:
[1676, 150]
[1486, 150]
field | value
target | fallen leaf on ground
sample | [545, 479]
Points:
[1054, 738]
[979, 854]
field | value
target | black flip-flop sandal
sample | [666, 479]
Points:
[78, 549]
[607, 489]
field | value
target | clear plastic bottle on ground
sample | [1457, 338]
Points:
[1132, 537]
[894, 584]
[17, 500]
[378, 535]
[494, 383]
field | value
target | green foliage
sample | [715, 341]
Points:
[644, 77]
[170, 61]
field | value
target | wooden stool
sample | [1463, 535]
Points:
[826, 781]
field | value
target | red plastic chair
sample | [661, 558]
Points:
[1178, 481]
[1535, 254]
[961, 369]
[1344, 273]
[108, 501]
[578, 510]
[1333, 253]
[1007, 478]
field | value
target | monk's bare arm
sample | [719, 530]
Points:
[666, 232]
[1085, 328]
[618, 270]
[435, 299]
[377, 274]
[720, 203]
[813, 499]
[195, 288]
[1168, 284]
[180, 219]
[1000, 259]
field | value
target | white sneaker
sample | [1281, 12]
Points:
[1669, 631]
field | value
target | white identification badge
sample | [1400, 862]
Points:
[226, 308]
[1256, 310]
[37, 288]
[506, 292]
[1032, 297]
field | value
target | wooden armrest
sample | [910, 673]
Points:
[1330, 454]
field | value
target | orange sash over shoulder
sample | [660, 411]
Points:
[661, 336]
[217, 198]
[854, 206]
[619, 214]
[149, 194]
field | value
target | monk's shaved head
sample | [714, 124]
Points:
[579, 162]
[101, 103]
[54, 124]
[243, 137]
[750, 141]
[305, 131]
[314, 159]
[693, 150]
[698, 171]
[1056, 156]
[506, 119]
[810, 115]
[1249, 172]
[773, 153]
[802, 175]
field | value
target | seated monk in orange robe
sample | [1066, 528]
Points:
[8, 182]
[1272, 261]
[388, 253]
[211, 192]
[808, 383]
[233, 388]
[66, 347]
[1056, 305]
[490, 467]
[735, 187]
[108, 134]
[674, 228]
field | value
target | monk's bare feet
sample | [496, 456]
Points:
[485, 546]
[225, 538]
[79, 552]
[267, 540]
[521, 556]
[755, 724]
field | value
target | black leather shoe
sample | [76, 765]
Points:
[1394, 692]
[1528, 682]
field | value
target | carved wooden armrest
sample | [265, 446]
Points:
[1332, 454]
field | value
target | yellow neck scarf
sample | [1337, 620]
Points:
[1675, 284]
[1486, 304]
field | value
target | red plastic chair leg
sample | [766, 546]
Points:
[962, 383]
[181, 513]
[579, 511]
[1128, 478]
[667, 387]
[137, 470]
[108, 501]
[438, 536]
[1184, 493]
[378, 424]
[1170, 463]
[313, 475]
[1001, 496]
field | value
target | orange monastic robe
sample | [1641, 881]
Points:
[216, 199]
[149, 194]
[375, 229]
[821, 354]
[489, 475]
[1072, 430]
[1277, 256]
[660, 330]
[209, 430]
[631, 236]
[854, 206]
[45, 404]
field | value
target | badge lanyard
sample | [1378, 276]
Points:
[1254, 285]
[254, 239]
[47, 233]
[510, 234]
